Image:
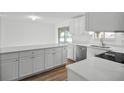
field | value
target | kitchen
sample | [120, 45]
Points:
[36, 43]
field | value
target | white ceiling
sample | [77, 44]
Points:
[48, 17]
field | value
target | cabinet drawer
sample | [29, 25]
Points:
[50, 50]
[65, 48]
[9, 61]
[57, 49]
[53, 50]
[26, 53]
[38, 52]
[8, 56]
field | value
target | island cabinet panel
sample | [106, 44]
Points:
[9, 66]
[72, 76]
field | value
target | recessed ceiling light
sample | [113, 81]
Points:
[33, 18]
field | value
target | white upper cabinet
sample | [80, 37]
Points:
[105, 21]
[78, 29]
[77, 25]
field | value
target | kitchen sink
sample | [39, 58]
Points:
[99, 46]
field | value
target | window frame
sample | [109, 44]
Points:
[63, 29]
[104, 35]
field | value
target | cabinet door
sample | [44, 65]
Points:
[70, 52]
[64, 55]
[90, 52]
[105, 21]
[49, 60]
[25, 66]
[57, 58]
[57, 53]
[9, 69]
[38, 63]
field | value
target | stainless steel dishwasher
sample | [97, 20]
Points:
[81, 52]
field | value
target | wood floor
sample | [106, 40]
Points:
[57, 74]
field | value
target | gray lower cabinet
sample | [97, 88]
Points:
[64, 55]
[8, 66]
[70, 50]
[53, 57]
[9, 70]
[31, 62]
[38, 63]
[25, 66]
[49, 60]
[14, 66]
[57, 58]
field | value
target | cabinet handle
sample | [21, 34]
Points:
[32, 57]
[16, 60]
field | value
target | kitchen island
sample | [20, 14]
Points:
[95, 69]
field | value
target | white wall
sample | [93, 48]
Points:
[20, 32]
[0, 31]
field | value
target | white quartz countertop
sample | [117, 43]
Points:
[30, 47]
[113, 48]
[118, 49]
[97, 69]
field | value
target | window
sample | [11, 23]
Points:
[98, 35]
[64, 35]
[109, 35]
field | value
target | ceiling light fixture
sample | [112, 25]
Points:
[33, 18]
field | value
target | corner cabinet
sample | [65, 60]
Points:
[104, 21]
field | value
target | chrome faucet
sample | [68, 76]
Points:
[102, 43]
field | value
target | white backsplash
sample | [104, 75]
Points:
[119, 39]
